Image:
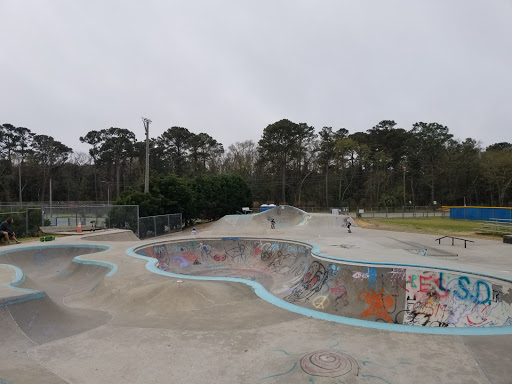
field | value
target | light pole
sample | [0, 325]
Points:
[19, 160]
[108, 191]
[405, 170]
[146, 176]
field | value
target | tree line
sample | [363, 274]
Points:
[292, 163]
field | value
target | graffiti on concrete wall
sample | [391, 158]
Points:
[442, 299]
[393, 295]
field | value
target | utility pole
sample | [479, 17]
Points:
[146, 176]
[405, 170]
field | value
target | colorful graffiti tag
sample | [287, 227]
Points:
[394, 295]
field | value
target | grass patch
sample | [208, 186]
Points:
[428, 225]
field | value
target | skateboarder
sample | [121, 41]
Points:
[348, 226]
[194, 231]
[272, 224]
[6, 231]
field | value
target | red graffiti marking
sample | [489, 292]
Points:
[483, 321]
[189, 256]
[425, 287]
[378, 304]
[429, 308]
[470, 322]
[337, 290]
[220, 257]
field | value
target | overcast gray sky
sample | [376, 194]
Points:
[230, 68]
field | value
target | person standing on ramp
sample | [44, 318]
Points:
[272, 224]
[348, 226]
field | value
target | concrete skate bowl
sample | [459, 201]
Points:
[44, 278]
[297, 277]
[284, 216]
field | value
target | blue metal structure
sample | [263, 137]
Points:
[481, 213]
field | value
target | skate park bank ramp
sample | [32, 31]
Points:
[295, 276]
[42, 277]
[284, 216]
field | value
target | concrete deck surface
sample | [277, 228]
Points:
[138, 327]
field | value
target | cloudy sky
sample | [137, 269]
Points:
[230, 68]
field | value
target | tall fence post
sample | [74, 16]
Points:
[138, 222]
[26, 222]
[154, 224]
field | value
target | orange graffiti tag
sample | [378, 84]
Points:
[378, 304]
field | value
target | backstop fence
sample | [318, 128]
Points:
[28, 220]
[152, 226]
[99, 216]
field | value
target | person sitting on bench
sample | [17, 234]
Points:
[6, 231]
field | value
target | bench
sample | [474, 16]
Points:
[453, 240]
[499, 227]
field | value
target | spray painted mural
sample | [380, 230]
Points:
[289, 271]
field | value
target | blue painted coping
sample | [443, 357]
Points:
[19, 278]
[20, 275]
[151, 266]
[76, 259]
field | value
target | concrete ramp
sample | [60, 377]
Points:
[43, 277]
[43, 320]
[112, 235]
[284, 216]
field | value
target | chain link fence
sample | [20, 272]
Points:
[405, 211]
[402, 211]
[93, 216]
[26, 223]
[152, 226]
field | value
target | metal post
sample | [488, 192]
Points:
[19, 181]
[146, 176]
[50, 198]
[405, 170]
[26, 222]
[154, 224]
[169, 222]
[138, 222]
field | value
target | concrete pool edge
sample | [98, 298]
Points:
[261, 292]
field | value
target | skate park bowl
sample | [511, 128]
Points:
[43, 277]
[296, 276]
